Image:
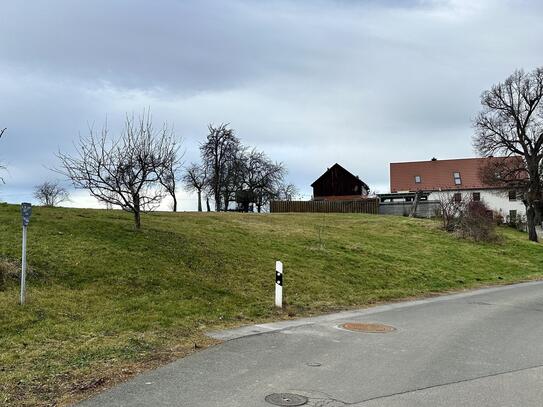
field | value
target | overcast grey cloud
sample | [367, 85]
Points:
[362, 83]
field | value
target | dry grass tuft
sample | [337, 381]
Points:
[9, 270]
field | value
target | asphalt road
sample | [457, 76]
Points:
[482, 348]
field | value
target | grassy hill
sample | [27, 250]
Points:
[105, 302]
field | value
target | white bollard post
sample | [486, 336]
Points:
[279, 284]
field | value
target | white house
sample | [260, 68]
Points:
[459, 177]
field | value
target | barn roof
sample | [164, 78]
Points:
[348, 173]
[439, 174]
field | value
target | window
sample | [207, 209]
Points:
[476, 196]
[457, 197]
[512, 216]
[457, 178]
[417, 179]
[512, 195]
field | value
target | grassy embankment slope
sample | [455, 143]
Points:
[105, 302]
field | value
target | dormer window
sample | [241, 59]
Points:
[457, 178]
[417, 179]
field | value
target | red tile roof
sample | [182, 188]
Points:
[438, 174]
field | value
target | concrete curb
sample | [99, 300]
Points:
[259, 329]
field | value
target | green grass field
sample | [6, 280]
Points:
[105, 302]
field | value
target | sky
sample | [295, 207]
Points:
[311, 83]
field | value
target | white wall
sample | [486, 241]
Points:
[495, 199]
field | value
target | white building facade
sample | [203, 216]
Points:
[460, 179]
[508, 204]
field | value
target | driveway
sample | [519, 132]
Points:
[481, 348]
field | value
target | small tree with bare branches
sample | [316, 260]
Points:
[123, 171]
[195, 179]
[219, 153]
[51, 193]
[450, 208]
[169, 166]
[262, 177]
[288, 192]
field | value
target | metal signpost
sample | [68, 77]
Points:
[26, 212]
[279, 284]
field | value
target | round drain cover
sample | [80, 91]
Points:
[368, 327]
[286, 399]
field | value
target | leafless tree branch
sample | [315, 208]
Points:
[123, 171]
[51, 193]
[511, 124]
[195, 179]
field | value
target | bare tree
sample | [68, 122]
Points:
[235, 173]
[511, 124]
[262, 177]
[451, 205]
[217, 153]
[466, 217]
[195, 179]
[288, 192]
[51, 193]
[169, 164]
[121, 171]
[233, 176]
[506, 174]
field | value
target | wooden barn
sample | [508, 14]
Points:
[338, 184]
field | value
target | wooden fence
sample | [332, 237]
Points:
[370, 205]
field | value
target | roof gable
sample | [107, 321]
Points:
[339, 168]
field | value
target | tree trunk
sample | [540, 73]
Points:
[200, 200]
[226, 204]
[174, 202]
[530, 218]
[137, 211]
[207, 204]
[137, 219]
[217, 202]
[532, 199]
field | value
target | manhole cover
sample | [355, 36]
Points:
[286, 399]
[368, 327]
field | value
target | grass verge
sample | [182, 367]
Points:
[105, 302]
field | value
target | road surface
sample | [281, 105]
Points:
[482, 348]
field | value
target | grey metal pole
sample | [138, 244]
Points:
[23, 271]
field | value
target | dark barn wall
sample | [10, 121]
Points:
[337, 182]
